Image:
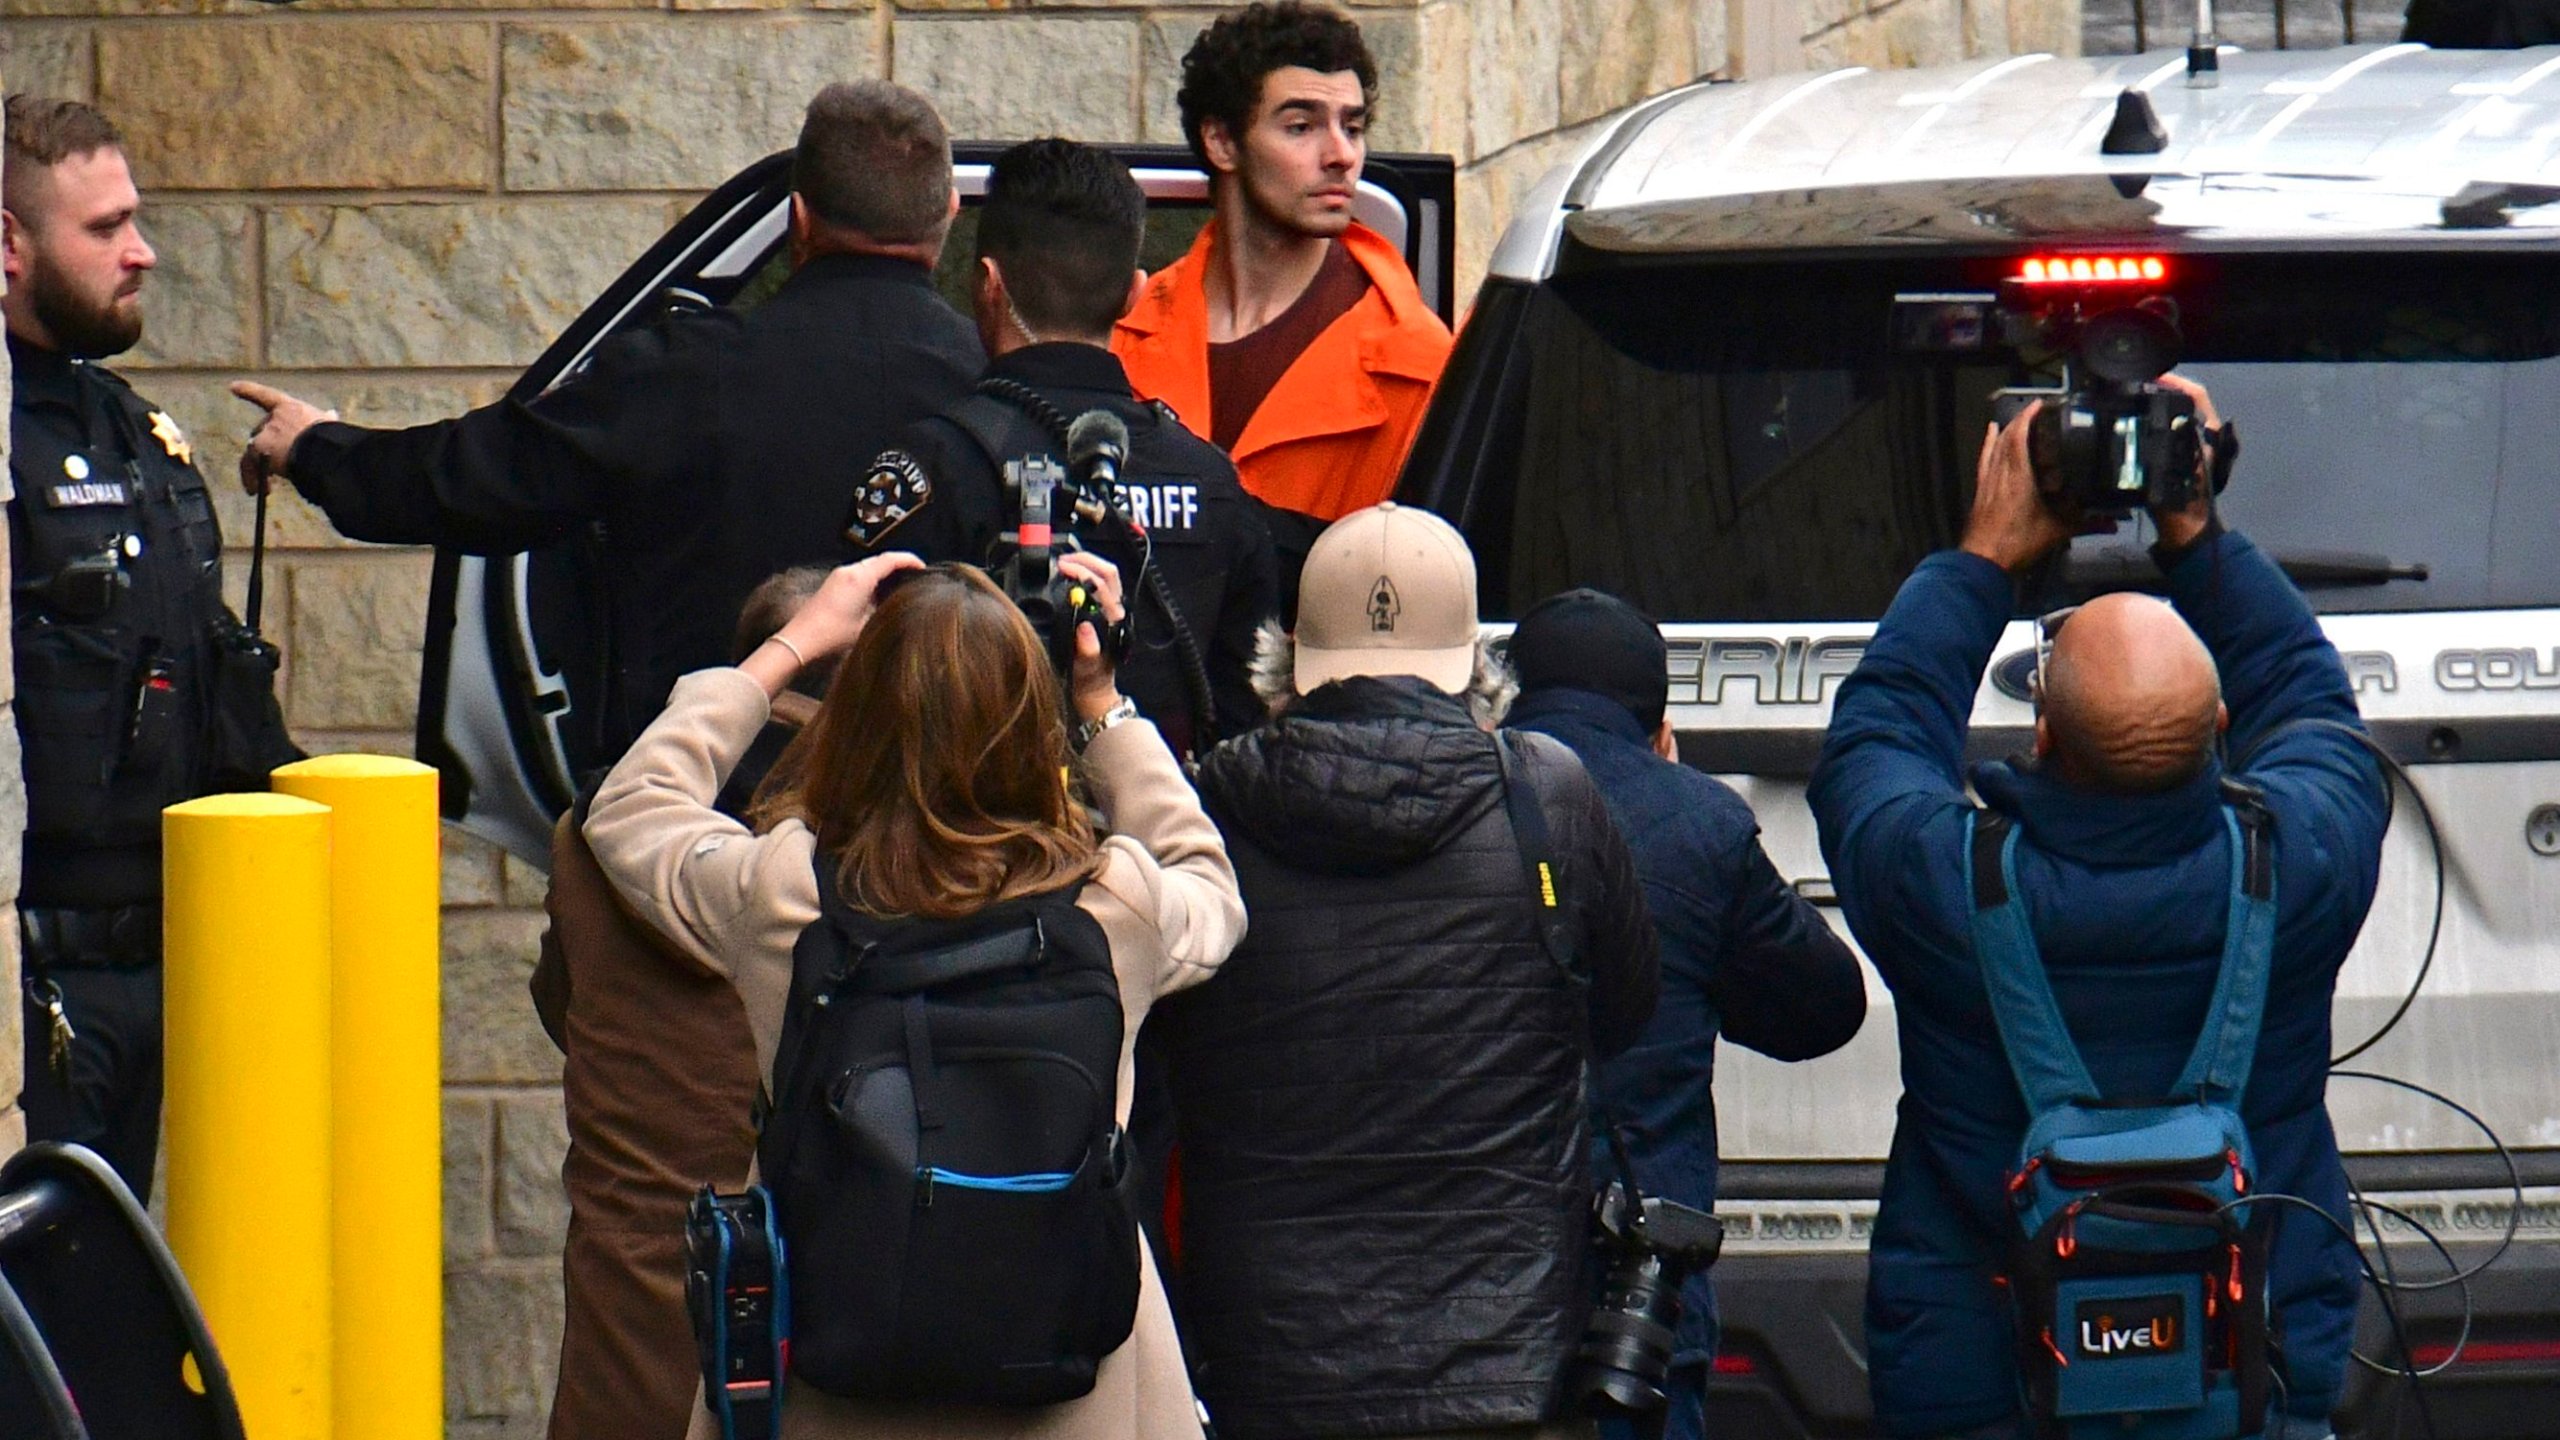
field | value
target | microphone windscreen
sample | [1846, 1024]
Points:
[1096, 433]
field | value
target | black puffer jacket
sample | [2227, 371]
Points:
[1385, 1191]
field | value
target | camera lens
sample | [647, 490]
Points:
[2129, 346]
[1625, 1355]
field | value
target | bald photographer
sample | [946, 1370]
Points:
[2173, 878]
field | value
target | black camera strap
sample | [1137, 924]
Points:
[1555, 930]
[1529, 832]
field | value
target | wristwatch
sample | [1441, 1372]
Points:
[1085, 730]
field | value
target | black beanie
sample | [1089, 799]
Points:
[1587, 640]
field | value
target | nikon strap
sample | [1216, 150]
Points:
[1529, 831]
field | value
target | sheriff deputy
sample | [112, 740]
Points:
[1056, 265]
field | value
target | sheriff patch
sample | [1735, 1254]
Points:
[1165, 508]
[895, 488]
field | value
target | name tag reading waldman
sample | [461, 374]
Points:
[81, 493]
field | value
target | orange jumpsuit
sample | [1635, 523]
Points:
[1332, 434]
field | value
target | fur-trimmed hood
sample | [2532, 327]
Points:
[1275, 666]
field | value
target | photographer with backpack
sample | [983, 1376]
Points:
[944, 966]
[2112, 981]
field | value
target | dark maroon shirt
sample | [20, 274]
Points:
[1242, 371]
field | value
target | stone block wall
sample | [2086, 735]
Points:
[391, 206]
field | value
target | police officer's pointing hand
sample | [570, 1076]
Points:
[272, 442]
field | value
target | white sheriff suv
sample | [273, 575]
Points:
[1726, 366]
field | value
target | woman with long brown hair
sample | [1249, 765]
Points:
[934, 784]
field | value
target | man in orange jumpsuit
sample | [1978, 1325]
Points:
[1290, 336]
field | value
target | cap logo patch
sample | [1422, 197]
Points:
[1383, 606]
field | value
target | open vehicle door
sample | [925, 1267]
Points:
[514, 647]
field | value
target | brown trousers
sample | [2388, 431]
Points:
[660, 1083]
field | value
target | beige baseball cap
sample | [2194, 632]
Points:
[1388, 591]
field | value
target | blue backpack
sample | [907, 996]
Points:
[2138, 1279]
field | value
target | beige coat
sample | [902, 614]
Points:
[1166, 897]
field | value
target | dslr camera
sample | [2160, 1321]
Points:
[1651, 1246]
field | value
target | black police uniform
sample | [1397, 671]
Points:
[710, 448]
[940, 492]
[115, 561]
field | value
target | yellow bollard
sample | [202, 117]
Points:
[388, 1132]
[247, 1117]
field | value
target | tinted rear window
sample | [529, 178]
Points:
[1741, 441]
[1171, 227]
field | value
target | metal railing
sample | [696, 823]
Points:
[2119, 27]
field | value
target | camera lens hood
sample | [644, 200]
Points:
[2129, 345]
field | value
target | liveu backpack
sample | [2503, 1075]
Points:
[942, 1149]
[2137, 1274]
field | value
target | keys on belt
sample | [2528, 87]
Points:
[57, 1054]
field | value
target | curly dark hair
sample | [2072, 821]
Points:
[1222, 73]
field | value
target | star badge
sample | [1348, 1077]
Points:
[171, 438]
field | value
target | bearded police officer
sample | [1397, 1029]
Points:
[711, 449]
[1057, 261]
[116, 578]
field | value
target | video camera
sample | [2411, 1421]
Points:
[1652, 1245]
[1045, 494]
[2110, 439]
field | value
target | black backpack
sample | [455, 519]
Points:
[944, 1155]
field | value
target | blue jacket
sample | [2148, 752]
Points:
[2127, 899]
[1740, 951]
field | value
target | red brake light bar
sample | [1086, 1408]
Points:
[2093, 270]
